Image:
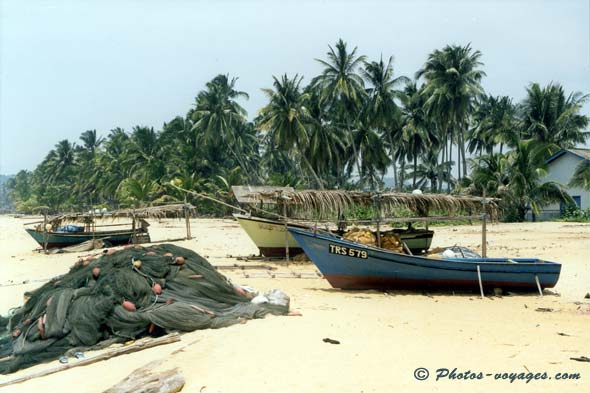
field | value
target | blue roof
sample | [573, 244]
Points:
[584, 154]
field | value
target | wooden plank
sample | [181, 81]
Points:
[137, 346]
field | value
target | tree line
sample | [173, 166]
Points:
[349, 126]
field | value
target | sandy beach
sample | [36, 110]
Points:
[384, 337]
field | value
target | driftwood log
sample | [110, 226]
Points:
[145, 380]
[137, 346]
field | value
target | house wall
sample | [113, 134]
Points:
[561, 170]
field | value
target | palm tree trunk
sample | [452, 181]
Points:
[393, 162]
[313, 172]
[450, 159]
[415, 167]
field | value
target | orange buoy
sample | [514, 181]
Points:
[179, 260]
[127, 305]
[151, 328]
[157, 288]
[26, 322]
[96, 272]
[16, 333]
[40, 327]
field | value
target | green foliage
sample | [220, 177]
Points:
[575, 214]
[351, 125]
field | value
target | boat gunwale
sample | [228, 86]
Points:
[462, 261]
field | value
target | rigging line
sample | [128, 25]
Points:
[208, 197]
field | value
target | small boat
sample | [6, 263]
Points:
[269, 236]
[351, 265]
[56, 239]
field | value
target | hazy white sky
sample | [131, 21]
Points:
[69, 66]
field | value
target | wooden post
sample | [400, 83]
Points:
[484, 243]
[137, 346]
[538, 285]
[45, 231]
[188, 222]
[377, 216]
[480, 284]
[286, 230]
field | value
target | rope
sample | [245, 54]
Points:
[208, 197]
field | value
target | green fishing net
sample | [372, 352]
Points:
[123, 295]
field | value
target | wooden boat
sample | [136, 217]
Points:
[350, 265]
[269, 236]
[64, 239]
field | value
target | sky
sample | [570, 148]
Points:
[71, 66]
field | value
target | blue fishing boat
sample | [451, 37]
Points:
[350, 265]
[54, 239]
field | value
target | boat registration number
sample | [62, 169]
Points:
[348, 251]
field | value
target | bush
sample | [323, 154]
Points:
[574, 213]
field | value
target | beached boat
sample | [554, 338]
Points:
[350, 265]
[64, 239]
[76, 228]
[269, 236]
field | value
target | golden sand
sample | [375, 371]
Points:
[383, 337]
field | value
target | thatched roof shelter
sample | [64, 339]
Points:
[330, 202]
[161, 211]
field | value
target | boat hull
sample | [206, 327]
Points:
[268, 236]
[350, 265]
[59, 239]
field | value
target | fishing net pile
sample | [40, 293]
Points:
[123, 295]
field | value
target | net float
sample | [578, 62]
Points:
[86, 263]
[179, 260]
[137, 264]
[16, 333]
[150, 253]
[151, 328]
[168, 254]
[157, 288]
[96, 272]
[40, 327]
[127, 305]
[48, 302]
[26, 322]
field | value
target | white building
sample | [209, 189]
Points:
[561, 167]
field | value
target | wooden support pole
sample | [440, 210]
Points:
[187, 218]
[538, 285]
[137, 346]
[286, 230]
[484, 241]
[480, 283]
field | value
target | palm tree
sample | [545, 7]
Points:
[548, 116]
[495, 123]
[429, 170]
[60, 161]
[286, 118]
[526, 167]
[342, 87]
[581, 176]
[372, 155]
[452, 83]
[416, 131]
[380, 108]
[489, 174]
[327, 148]
[217, 116]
